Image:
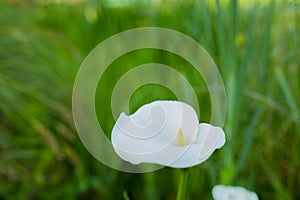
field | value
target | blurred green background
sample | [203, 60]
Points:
[255, 44]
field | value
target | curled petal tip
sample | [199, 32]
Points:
[222, 139]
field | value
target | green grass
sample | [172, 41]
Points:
[256, 47]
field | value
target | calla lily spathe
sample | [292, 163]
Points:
[221, 192]
[166, 133]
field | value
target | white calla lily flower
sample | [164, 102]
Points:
[166, 133]
[221, 192]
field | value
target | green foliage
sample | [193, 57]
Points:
[256, 47]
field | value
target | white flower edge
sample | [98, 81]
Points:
[159, 148]
[221, 192]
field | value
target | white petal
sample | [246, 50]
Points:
[154, 126]
[210, 138]
[146, 126]
[221, 192]
[189, 157]
[137, 151]
[165, 156]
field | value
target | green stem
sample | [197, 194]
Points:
[182, 184]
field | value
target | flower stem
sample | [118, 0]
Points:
[182, 184]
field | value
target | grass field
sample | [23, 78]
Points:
[256, 47]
